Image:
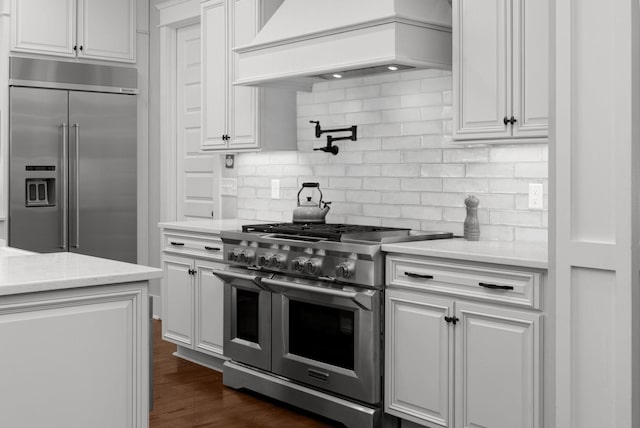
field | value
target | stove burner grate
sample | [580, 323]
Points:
[329, 231]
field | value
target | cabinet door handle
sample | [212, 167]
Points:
[177, 244]
[418, 275]
[508, 121]
[495, 287]
[211, 248]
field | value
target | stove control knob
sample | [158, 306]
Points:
[313, 266]
[298, 264]
[234, 255]
[278, 261]
[247, 256]
[345, 270]
[264, 258]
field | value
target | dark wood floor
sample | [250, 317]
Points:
[189, 395]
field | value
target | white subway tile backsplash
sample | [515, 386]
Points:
[533, 170]
[401, 170]
[421, 100]
[443, 170]
[429, 127]
[421, 213]
[400, 198]
[421, 184]
[401, 115]
[363, 118]
[363, 196]
[471, 185]
[422, 156]
[361, 92]
[436, 84]
[352, 106]
[345, 183]
[332, 95]
[490, 170]
[516, 153]
[404, 170]
[381, 210]
[401, 87]
[516, 218]
[382, 103]
[409, 142]
[466, 155]
[363, 171]
[381, 184]
[383, 156]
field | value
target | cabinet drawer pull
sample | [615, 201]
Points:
[418, 275]
[177, 244]
[495, 287]
[211, 248]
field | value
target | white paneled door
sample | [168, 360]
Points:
[196, 182]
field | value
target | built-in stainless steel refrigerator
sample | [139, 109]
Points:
[72, 158]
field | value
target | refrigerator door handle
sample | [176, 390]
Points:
[77, 184]
[65, 191]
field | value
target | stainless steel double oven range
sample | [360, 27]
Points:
[304, 315]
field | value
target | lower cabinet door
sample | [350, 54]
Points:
[418, 352]
[209, 304]
[177, 300]
[497, 367]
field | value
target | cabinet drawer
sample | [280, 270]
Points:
[202, 246]
[487, 283]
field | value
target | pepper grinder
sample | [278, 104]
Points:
[471, 224]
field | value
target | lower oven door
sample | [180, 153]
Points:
[247, 317]
[327, 337]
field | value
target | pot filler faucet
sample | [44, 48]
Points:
[330, 139]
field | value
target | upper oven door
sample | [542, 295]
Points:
[327, 337]
[247, 317]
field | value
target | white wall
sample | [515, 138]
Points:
[404, 170]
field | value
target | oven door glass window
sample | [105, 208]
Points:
[247, 315]
[322, 333]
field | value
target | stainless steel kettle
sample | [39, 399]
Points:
[309, 211]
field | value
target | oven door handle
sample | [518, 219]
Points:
[229, 277]
[362, 299]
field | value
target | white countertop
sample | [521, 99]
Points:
[57, 271]
[524, 254]
[214, 226]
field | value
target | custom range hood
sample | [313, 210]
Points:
[309, 40]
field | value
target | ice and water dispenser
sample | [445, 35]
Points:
[40, 192]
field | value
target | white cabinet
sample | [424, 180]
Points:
[92, 29]
[75, 358]
[453, 362]
[192, 297]
[240, 118]
[500, 75]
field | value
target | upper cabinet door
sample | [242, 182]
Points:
[530, 68]
[44, 26]
[107, 29]
[214, 74]
[481, 68]
[243, 122]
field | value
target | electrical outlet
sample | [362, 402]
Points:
[275, 188]
[536, 196]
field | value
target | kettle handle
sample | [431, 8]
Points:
[316, 185]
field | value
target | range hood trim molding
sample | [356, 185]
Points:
[344, 29]
[296, 64]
